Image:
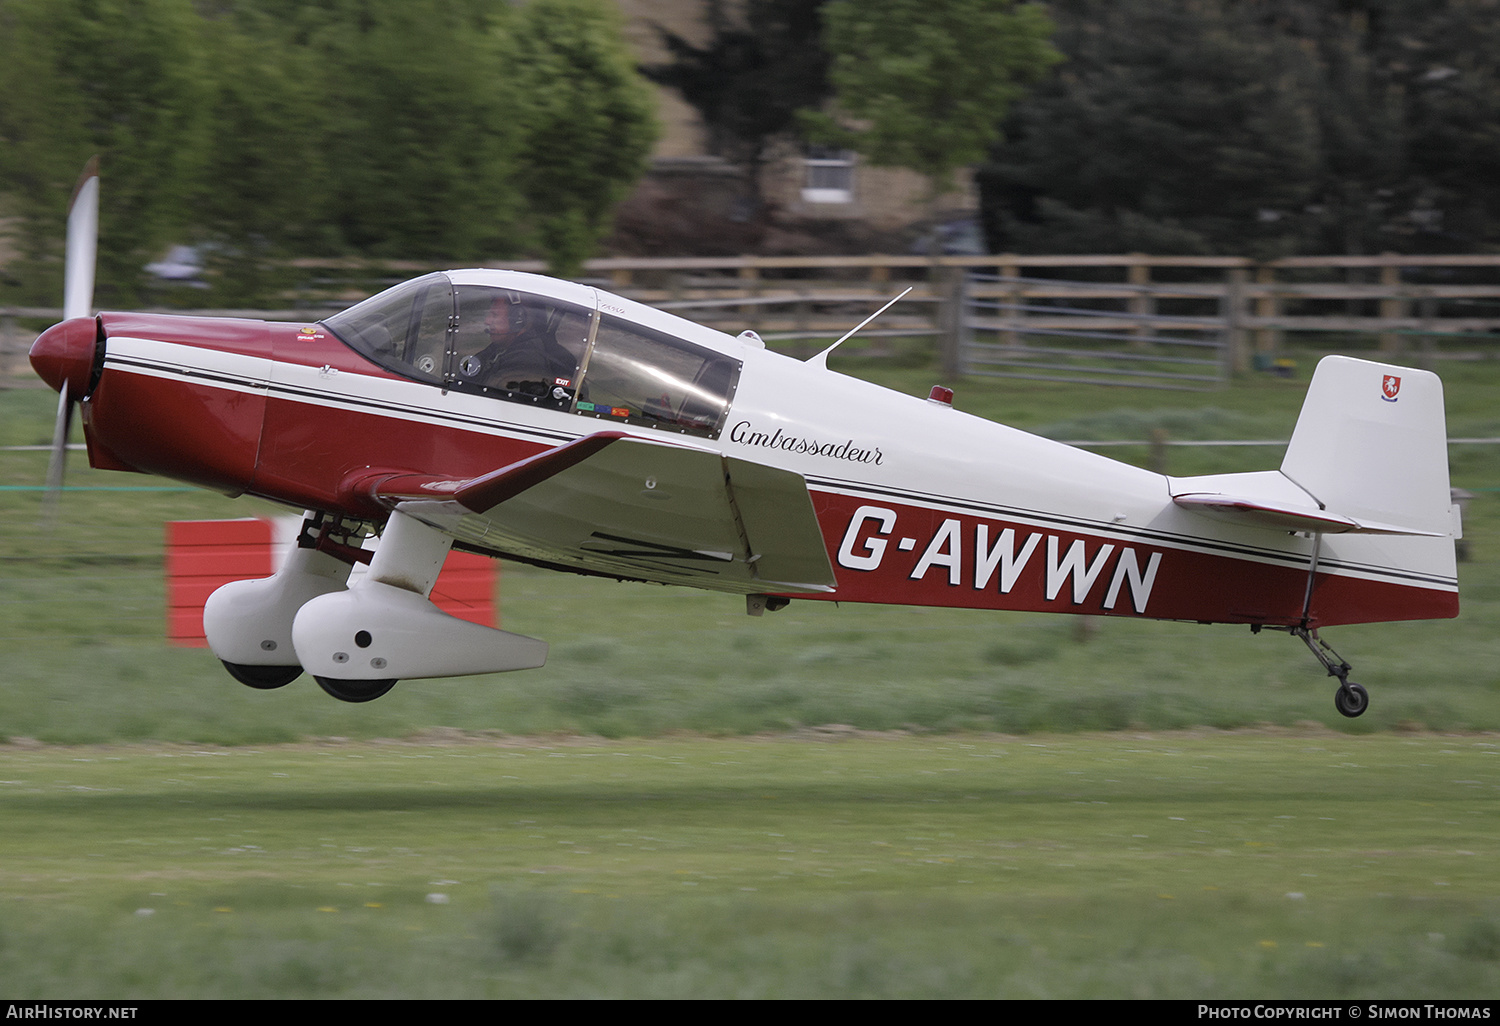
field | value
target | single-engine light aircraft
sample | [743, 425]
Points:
[553, 423]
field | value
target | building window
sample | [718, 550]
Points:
[829, 176]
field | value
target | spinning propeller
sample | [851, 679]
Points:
[64, 354]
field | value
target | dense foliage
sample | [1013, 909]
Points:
[924, 85]
[587, 124]
[128, 79]
[262, 129]
[1268, 127]
[459, 130]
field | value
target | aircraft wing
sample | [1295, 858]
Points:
[631, 507]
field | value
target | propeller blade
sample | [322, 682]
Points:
[59, 454]
[78, 301]
[83, 244]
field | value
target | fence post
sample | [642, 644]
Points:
[750, 282]
[1156, 459]
[951, 318]
[1393, 306]
[1267, 307]
[1232, 309]
[7, 334]
[1010, 267]
[1140, 303]
[1427, 308]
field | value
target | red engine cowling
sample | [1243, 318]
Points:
[176, 398]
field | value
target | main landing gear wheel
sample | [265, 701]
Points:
[355, 690]
[263, 678]
[1351, 699]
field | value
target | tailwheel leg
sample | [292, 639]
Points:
[1350, 699]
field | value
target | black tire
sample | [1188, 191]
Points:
[1351, 699]
[263, 678]
[355, 690]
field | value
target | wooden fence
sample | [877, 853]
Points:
[1388, 303]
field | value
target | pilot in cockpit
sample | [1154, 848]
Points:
[522, 354]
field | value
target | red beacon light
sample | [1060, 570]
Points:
[940, 395]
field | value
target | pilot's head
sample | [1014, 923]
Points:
[506, 316]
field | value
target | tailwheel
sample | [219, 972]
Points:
[263, 678]
[355, 690]
[1351, 699]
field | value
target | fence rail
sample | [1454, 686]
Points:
[1056, 337]
[1388, 302]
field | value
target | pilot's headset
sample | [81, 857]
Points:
[518, 312]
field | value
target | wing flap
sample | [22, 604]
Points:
[627, 506]
[780, 524]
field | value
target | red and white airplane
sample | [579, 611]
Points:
[553, 423]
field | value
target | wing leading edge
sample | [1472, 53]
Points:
[626, 506]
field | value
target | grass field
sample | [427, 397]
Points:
[1055, 807]
[1193, 865]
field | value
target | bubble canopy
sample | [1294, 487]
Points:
[552, 345]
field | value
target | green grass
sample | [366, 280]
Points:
[1193, 865]
[86, 663]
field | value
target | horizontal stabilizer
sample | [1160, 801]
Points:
[1254, 511]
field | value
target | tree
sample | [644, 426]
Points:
[923, 84]
[455, 129]
[420, 132]
[751, 79]
[1438, 57]
[1172, 127]
[587, 124]
[440, 129]
[1267, 127]
[119, 78]
[265, 185]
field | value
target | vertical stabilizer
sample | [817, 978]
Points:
[1372, 443]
